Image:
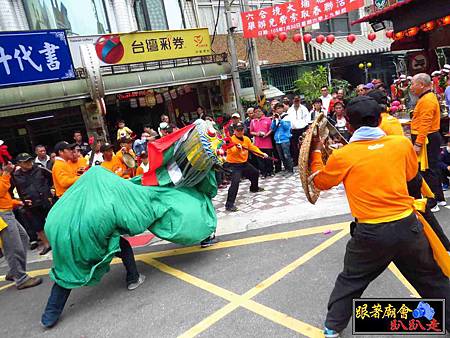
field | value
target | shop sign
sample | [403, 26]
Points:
[418, 62]
[118, 49]
[34, 56]
[294, 15]
[380, 4]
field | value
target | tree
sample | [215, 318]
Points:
[310, 82]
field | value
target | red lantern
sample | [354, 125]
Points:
[412, 31]
[330, 38]
[351, 38]
[282, 36]
[307, 38]
[399, 35]
[372, 36]
[430, 25]
[297, 38]
[390, 34]
[320, 39]
[271, 36]
[445, 20]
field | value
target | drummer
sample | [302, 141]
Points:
[385, 229]
[126, 147]
[111, 162]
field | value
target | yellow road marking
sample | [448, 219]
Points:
[403, 280]
[245, 300]
[221, 245]
[246, 241]
[6, 286]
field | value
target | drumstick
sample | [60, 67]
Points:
[259, 155]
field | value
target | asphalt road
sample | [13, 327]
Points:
[270, 282]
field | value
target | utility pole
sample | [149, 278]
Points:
[254, 62]
[234, 59]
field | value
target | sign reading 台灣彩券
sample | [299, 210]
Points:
[33, 57]
[117, 49]
[294, 15]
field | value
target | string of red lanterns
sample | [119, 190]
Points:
[320, 39]
[425, 27]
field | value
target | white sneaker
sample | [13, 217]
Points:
[135, 285]
[442, 203]
[435, 209]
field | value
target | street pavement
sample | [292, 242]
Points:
[269, 278]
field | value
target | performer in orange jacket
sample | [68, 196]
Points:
[237, 157]
[375, 169]
[62, 172]
[425, 135]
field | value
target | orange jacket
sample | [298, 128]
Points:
[115, 165]
[375, 175]
[391, 125]
[6, 201]
[426, 117]
[63, 176]
[236, 155]
[81, 163]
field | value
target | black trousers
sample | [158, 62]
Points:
[433, 174]
[237, 170]
[445, 174]
[59, 295]
[266, 165]
[295, 144]
[277, 164]
[414, 190]
[369, 252]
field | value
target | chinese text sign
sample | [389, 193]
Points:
[294, 15]
[153, 46]
[34, 56]
[399, 316]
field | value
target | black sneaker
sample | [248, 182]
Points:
[34, 245]
[208, 241]
[259, 190]
[232, 209]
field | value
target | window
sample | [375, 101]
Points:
[151, 15]
[341, 25]
[66, 14]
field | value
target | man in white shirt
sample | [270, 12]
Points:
[300, 117]
[42, 158]
[326, 97]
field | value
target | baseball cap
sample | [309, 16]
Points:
[236, 115]
[378, 96]
[362, 108]
[163, 125]
[369, 86]
[23, 157]
[63, 145]
[239, 126]
[105, 147]
[436, 73]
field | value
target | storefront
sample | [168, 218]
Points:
[100, 94]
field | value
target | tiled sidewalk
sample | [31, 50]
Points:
[279, 191]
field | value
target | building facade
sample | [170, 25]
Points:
[102, 94]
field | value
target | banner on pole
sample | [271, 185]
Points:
[294, 15]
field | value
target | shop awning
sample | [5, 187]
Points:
[128, 82]
[342, 48]
[384, 14]
[409, 13]
[37, 96]
[270, 92]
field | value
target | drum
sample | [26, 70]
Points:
[331, 139]
[129, 160]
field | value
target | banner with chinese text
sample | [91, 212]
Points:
[119, 49]
[294, 15]
[34, 56]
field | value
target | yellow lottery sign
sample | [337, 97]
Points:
[119, 49]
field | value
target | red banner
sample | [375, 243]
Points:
[294, 15]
